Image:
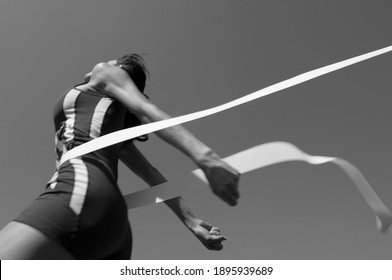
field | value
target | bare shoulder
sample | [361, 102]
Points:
[109, 79]
[115, 82]
[105, 73]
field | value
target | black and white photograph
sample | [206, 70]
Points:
[300, 171]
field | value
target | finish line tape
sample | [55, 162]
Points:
[258, 157]
[133, 132]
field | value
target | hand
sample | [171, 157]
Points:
[208, 235]
[223, 181]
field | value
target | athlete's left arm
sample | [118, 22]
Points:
[209, 235]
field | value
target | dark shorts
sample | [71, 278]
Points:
[83, 209]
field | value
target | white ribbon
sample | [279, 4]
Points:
[259, 157]
[133, 132]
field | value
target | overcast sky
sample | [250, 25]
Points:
[201, 54]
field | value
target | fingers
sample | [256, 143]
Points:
[230, 195]
[215, 243]
[215, 231]
[228, 192]
[224, 183]
[233, 190]
[217, 238]
[209, 235]
[215, 246]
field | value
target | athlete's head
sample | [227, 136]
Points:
[135, 66]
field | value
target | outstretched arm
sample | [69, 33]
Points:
[209, 235]
[116, 83]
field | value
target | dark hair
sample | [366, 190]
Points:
[136, 68]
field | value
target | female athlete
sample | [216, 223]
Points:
[82, 214]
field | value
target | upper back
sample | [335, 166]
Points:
[105, 78]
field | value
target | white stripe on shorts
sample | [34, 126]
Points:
[80, 185]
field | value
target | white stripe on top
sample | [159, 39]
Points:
[69, 111]
[98, 117]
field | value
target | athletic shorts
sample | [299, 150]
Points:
[83, 209]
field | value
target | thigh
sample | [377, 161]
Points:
[125, 250]
[19, 241]
[102, 220]
[82, 210]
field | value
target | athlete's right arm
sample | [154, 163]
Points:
[209, 235]
[115, 82]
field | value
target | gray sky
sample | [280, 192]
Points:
[201, 54]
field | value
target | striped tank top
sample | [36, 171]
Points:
[80, 116]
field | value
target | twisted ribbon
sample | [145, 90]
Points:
[258, 157]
